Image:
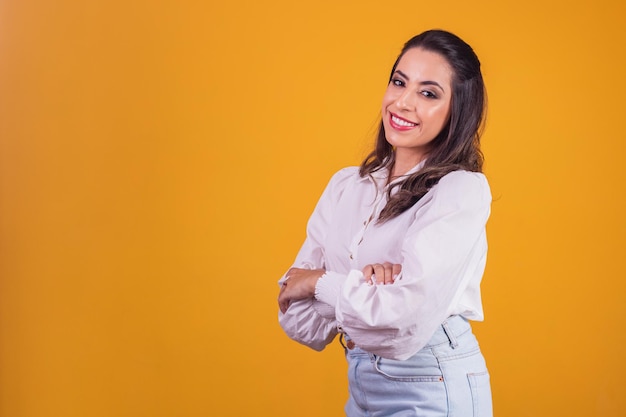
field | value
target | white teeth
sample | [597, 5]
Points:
[402, 122]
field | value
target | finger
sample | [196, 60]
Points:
[283, 302]
[368, 272]
[379, 271]
[281, 297]
[396, 269]
[388, 276]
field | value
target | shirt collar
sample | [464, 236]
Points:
[380, 176]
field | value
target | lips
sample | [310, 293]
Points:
[399, 123]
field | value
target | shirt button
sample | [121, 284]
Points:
[351, 257]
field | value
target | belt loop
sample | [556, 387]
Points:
[341, 341]
[448, 332]
[346, 342]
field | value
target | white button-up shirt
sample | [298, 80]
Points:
[440, 243]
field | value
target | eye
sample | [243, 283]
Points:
[428, 94]
[397, 82]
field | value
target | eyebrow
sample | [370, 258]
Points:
[427, 82]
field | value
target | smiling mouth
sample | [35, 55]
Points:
[400, 123]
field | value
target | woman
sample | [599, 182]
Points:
[396, 248]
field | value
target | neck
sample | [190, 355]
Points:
[404, 163]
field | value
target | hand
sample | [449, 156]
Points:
[300, 284]
[385, 273]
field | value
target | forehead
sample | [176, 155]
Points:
[421, 65]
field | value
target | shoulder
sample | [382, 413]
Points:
[335, 188]
[464, 187]
[342, 177]
[345, 173]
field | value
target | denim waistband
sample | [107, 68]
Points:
[448, 332]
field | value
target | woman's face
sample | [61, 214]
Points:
[416, 104]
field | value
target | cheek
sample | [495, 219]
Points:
[388, 99]
[440, 114]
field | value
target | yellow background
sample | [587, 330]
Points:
[159, 160]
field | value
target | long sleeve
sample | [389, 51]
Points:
[309, 321]
[443, 255]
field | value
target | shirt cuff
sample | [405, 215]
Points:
[328, 287]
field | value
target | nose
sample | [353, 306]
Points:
[406, 100]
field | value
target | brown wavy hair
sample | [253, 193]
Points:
[457, 146]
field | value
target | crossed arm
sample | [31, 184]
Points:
[300, 283]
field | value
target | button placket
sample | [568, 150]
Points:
[358, 239]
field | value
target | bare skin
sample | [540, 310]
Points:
[300, 283]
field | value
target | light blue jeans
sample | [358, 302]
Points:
[447, 378]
